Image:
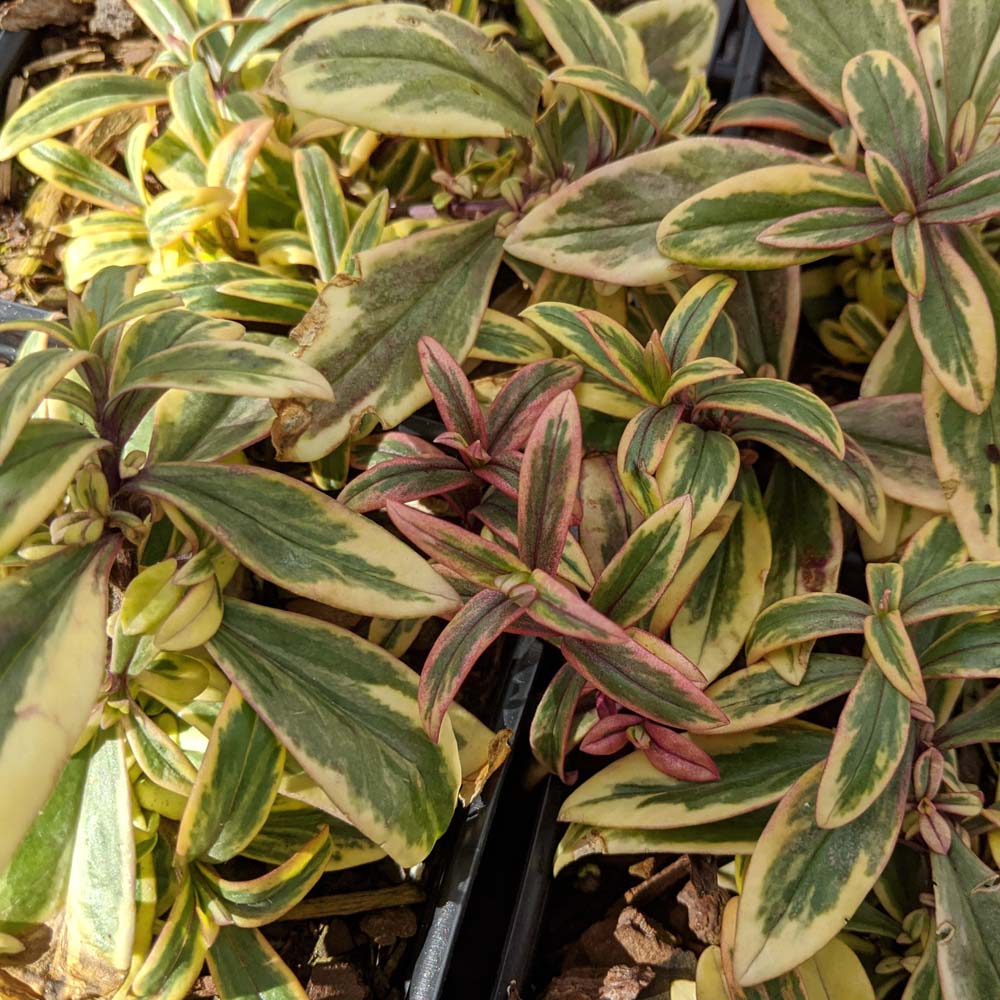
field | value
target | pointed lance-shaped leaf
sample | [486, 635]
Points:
[323, 207]
[803, 882]
[403, 479]
[804, 617]
[26, 384]
[562, 610]
[778, 113]
[516, 408]
[755, 769]
[965, 651]
[362, 332]
[867, 748]
[552, 723]
[973, 587]
[719, 227]
[452, 392]
[473, 557]
[825, 229]
[773, 400]
[52, 657]
[464, 639]
[641, 450]
[404, 70]
[758, 696]
[355, 730]
[692, 319]
[644, 682]
[300, 539]
[643, 568]
[236, 784]
[74, 100]
[550, 477]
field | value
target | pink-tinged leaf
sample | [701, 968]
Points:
[519, 404]
[472, 556]
[828, 228]
[562, 610]
[503, 472]
[458, 647]
[610, 734]
[641, 451]
[662, 649]
[641, 681]
[394, 444]
[455, 399]
[677, 756]
[552, 722]
[405, 479]
[550, 476]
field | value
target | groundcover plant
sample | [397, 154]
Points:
[300, 223]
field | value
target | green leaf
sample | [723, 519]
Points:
[968, 650]
[968, 920]
[803, 882]
[264, 899]
[34, 883]
[324, 207]
[26, 384]
[713, 622]
[634, 580]
[405, 70]
[774, 401]
[603, 226]
[802, 618]
[969, 30]
[355, 730]
[827, 229]
[80, 176]
[300, 539]
[964, 450]
[606, 84]
[205, 426]
[758, 696]
[178, 954]
[245, 967]
[978, 724]
[172, 215]
[755, 769]
[869, 743]
[778, 113]
[552, 723]
[236, 784]
[100, 896]
[736, 835]
[892, 432]
[886, 109]
[953, 324]
[972, 587]
[74, 100]
[892, 649]
[550, 476]
[703, 464]
[362, 333]
[719, 227]
[36, 474]
[233, 369]
[691, 320]
[641, 451]
[654, 682]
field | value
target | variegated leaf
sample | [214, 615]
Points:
[781, 114]
[603, 226]
[73, 100]
[36, 473]
[435, 280]
[245, 966]
[641, 451]
[755, 769]
[552, 723]
[235, 787]
[971, 587]
[365, 748]
[713, 622]
[323, 206]
[868, 746]
[80, 176]
[803, 882]
[301, 539]
[719, 227]
[445, 79]
[802, 618]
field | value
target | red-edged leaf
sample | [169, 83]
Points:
[456, 651]
[641, 681]
[562, 610]
[610, 734]
[641, 451]
[828, 228]
[456, 402]
[519, 404]
[550, 476]
[472, 556]
[503, 472]
[678, 756]
[552, 722]
[405, 479]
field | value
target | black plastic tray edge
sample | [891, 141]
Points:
[430, 971]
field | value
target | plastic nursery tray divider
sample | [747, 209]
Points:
[427, 981]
